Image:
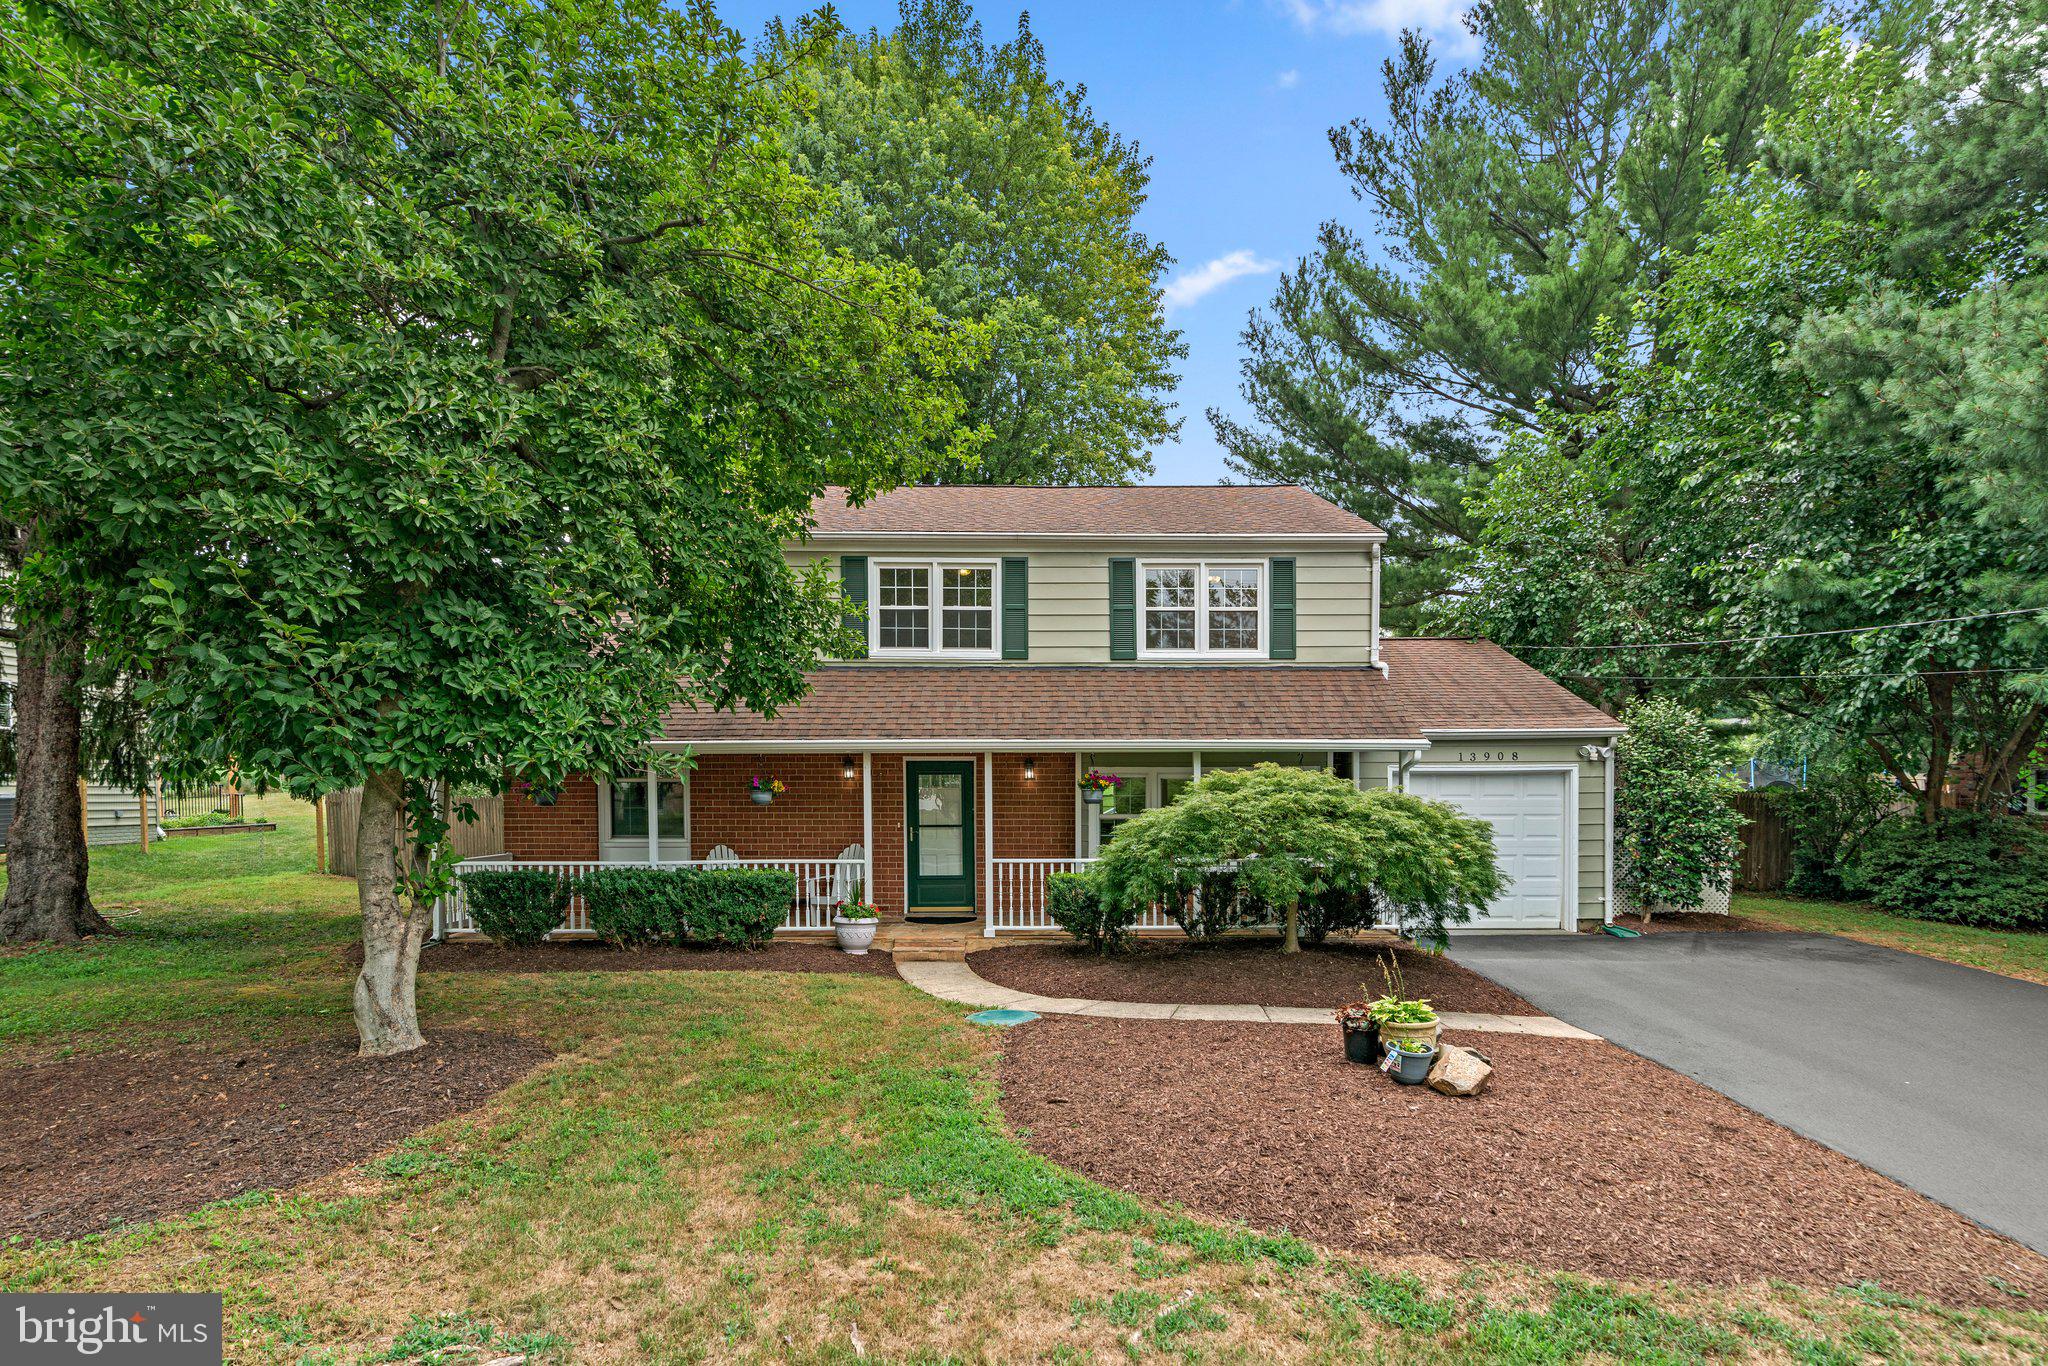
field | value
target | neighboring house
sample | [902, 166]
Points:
[1017, 637]
[113, 815]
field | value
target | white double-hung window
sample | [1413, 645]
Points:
[934, 607]
[1203, 608]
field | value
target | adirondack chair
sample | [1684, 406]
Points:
[835, 889]
[721, 856]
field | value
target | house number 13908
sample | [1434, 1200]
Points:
[1488, 756]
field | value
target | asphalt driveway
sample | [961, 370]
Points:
[1934, 1074]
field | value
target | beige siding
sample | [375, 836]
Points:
[1070, 593]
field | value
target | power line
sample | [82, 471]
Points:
[1779, 678]
[1792, 635]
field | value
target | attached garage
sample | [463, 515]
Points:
[1533, 814]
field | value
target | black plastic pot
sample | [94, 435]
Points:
[1362, 1043]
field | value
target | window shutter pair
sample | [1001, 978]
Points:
[1123, 608]
[1016, 624]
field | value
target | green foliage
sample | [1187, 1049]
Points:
[1017, 207]
[1674, 827]
[1827, 820]
[1516, 204]
[740, 907]
[1077, 906]
[1965, 868]
[1401, 1010]
[202, 820]
[635, 907]
[1291, 834]
[1225, 904]
[516, 907]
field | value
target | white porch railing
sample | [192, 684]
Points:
[819, 884]
[1018, 896]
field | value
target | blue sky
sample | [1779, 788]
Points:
[1232, 99]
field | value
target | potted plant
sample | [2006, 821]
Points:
[765, 790]
[1399, 1015]
[856, 922]
[1095, 782]
[1361, 1031]
[1409, 1060]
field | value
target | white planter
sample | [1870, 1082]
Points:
[762, 796]
[855, 935]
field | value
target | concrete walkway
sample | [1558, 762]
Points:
[959, 982]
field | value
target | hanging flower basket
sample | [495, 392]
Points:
[1094, 783]
[765, 790]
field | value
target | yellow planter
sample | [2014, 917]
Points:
[1427, 1033]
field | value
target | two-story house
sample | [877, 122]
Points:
[1017, 637]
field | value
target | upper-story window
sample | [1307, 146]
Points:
[924, 607]
[1203, 608]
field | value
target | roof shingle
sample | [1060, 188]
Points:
[1432, 684]
[1278, 510]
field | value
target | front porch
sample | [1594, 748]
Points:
[962, 840]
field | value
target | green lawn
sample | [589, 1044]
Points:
[2016, 953]
[769, 1167]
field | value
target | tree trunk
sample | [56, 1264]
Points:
[46, 864]
[1940, 745]
[1292, 943]
[387, 1019]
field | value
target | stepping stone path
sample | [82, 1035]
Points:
[956, 981]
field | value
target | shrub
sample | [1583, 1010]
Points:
[634, 907]
[1224, 904]
[1827, 820]
[1674, 825]
[1967, 868]
[516, 907]
[737, 906]
[1077, 906]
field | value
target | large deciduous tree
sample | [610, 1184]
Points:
[1017, 207]
[1784, 476]
[451, 373]
[1514, 206]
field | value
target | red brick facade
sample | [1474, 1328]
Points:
[819, 814]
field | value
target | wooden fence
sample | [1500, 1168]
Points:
[473, 839]
[1766, 846]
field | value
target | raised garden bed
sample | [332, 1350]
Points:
[1579, 1157]
[585, 955]
[238, 828]
[99, 1139]
[1240, 972]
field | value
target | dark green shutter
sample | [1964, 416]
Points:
[1123, 609]
[1017, 608]
[1282, 615]
[853, 586]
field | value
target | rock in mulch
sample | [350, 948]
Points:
[1459, 1071]
[1579, 1156]
[584, 955]
[1240, 972]
[99, 1139]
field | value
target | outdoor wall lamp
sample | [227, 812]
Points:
[1030, 769]
[847, 769]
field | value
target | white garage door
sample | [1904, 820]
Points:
[1530, 832]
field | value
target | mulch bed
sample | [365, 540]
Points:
[1580, 1157]
[1690, 922]
[1240, 972]
[583, 955]
[99, 1139]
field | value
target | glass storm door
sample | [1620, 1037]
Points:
[939, 822]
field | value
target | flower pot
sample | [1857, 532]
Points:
[1362, 1042]
[1427, 1033]
[1092, 796]
[1411, 1069]
[762, 796]
[854, 935]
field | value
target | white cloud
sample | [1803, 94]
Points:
[1352, 18]
[1288, 79]
[1191, 286]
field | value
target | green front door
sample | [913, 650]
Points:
[939, 819]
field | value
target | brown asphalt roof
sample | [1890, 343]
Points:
[1134, 510]
[1433, 684]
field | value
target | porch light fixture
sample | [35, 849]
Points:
[847, 768]
[1030, 769]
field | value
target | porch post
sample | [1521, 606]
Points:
[1080, 812]
[867, 825]
[988, 843]
[653, 818]
[1198, 765]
